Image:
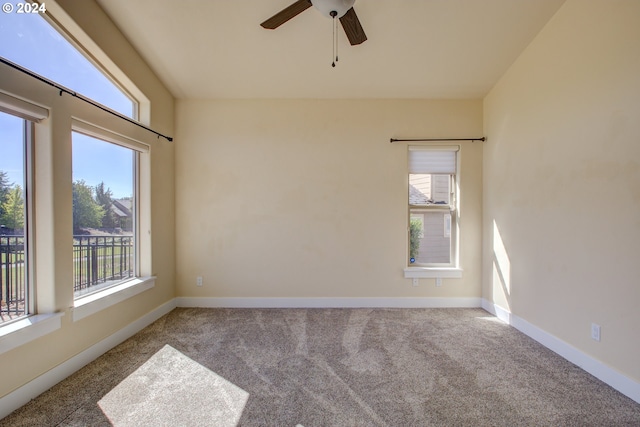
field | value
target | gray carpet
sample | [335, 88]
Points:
[329, 367]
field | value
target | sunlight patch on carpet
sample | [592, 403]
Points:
[172, 389]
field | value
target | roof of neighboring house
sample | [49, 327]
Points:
[416, 197]
[122, 207]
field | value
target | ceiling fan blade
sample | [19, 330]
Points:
[352, 27]
[285, 14]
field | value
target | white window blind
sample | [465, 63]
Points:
[433, 160]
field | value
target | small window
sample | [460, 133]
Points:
[14, 283]
[104, 214]
[432, 199]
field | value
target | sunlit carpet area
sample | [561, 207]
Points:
[329, 367]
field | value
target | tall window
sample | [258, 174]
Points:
[104, 213]
[14, 289]
[432, 206]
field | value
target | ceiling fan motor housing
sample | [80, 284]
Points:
[327, 6]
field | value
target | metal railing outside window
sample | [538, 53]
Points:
[99, 261]
[13, 277]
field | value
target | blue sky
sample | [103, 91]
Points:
[29, 40]
[11, 148]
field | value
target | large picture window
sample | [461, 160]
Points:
[104, 213]
[105, 164]
[432, 206]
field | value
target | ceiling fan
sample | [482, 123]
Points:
[342, 9]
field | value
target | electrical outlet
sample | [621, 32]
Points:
[415, 281]
[199, 281]
[438, 281]
[595, 332]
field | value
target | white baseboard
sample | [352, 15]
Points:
[408, 302]
[604, 373]
[39, 385]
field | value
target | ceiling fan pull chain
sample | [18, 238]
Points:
[336, 32]
[333, 14]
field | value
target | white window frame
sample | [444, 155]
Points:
[137, 148]
[32, 325]
[94, 302]
[30, 114]
[438, 270]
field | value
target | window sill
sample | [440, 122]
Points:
[93, 303]
[28, 329]
[432, 273]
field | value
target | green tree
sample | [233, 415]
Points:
[13, 209]
[87, 213]
[415, 234]
[5, 187]
[105, 200]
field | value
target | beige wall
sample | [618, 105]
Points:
[307, 198]
[53, 214]
[562, 182]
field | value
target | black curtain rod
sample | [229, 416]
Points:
[438, 139]
[81, 97]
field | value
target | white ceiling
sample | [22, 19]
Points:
[415, 48]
